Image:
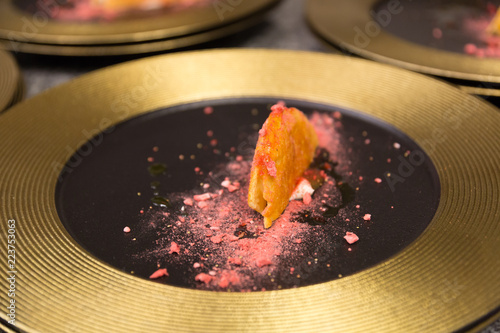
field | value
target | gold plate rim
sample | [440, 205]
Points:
[136, 48]
[335, 22]
[481, 91]
[18, 26]
[9, 79]
[444, 281]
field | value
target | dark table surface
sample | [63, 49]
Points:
[285, 27]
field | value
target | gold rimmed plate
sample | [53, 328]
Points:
[134, 48]
[443, 279]
[425, 36]
[24, 22]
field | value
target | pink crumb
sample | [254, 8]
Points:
[225, 183]
[239, 158]
[155, 149]
[151, 159]
[210, 133]
[202, 204]
[262, 132]
[261, 262]
[337, 115]
[217, 239]
[205, 186]
[196, 265]
[232, 188]
[437, 33]
[470, 48]
[202, 197]
[202, 277]
[378, 180]
[236, 261]
[213, 142]
[196, 169]
[159, 273]
[297, 241]
[367, 217]
[208, 110]
[224, 282]
[188, 202]
[271, 168]
[307, 198]
[351, 237]
[358, 206]
[126, 229]
[174, 248]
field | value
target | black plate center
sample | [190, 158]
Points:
[380, 186]
[441, 24]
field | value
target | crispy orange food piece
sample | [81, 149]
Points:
[494, 27]
[134, 4]
[285, 149]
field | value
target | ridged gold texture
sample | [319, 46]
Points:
[10, 79]
[445, 280]
[336, 20]
[134, 48]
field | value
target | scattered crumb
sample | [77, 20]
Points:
[159, 273]
[351, 237]
[174, 248]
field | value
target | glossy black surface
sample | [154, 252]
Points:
[99, 196]
[415, 21]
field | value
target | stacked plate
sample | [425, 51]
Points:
[441, 38]
[40, 28]
[11, 84]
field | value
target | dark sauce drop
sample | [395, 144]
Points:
[243, 232]
[321, 165]
[161, 201]
[157, 169]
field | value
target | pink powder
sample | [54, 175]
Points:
[307, 198]
[217, 239]
[271, 168]
[486, 45]
[261, 262]
[86, 10]
[227, 238]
